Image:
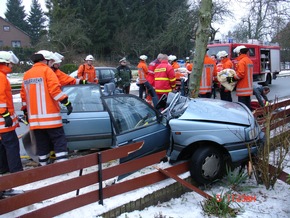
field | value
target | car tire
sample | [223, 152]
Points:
[207, 165]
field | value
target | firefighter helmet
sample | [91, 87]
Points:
[239, 48]
[143, 57]
[222, 54]
[8, 57]
[89, 58]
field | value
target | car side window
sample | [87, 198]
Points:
[130, 112]
[106, 73]
[84, 98]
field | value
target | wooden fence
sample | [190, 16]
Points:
[81, 181]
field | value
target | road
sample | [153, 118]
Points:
[279, 89]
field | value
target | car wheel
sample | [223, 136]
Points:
[206, 165]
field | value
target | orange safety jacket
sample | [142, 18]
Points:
[65, 79]
[244, 75]
[165, 80]
[189, 66]
[225, 63]
[87, 72]
[175, 65]
[6, 100]
[208, 74]
[40, 93]
[142, 71]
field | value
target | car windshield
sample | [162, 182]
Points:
[84, 98]
[130, 112]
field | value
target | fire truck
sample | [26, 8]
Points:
[266, 58]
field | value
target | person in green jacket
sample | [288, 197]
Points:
[123, 76]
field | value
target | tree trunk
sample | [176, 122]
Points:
[202, 35]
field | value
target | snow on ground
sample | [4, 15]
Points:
[269, 203]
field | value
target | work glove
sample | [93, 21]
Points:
[8, 119]
[83, 82]
[267, 103]
[230, 79]
[68, 105]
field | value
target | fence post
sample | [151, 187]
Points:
[100, 178]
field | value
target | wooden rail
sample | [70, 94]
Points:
[81, 181]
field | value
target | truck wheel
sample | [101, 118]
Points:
[206, 165]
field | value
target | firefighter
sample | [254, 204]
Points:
[188, 65]
[244, 76]
[172, 59]
[142, 74]
[87, 70]
[207, 77]
[123, 76]
[150, 77]
[225, 63]
[9, 144]
[165, 80]
[63, 78]
[40, 94]
[261, 93]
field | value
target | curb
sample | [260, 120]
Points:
[165, 194]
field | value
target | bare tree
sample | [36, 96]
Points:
[265, 18]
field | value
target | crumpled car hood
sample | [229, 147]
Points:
[217, 110]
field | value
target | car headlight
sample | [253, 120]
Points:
[253, 133]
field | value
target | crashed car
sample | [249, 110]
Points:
[209, 132]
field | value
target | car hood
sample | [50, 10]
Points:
[215, 110]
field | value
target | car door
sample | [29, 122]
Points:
[89, 125]
[135, 120]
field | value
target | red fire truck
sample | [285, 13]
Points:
[266, 58]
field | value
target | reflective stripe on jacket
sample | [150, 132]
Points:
[142, 71]
[87, 72]
[165, 79]
[40, 93]
[244, 75]
[6, 100]
[208, 74]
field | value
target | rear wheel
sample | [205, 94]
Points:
[207, 165]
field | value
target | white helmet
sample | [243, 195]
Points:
[172, 57]
[89, 58]
[222, 54]
[238, 48]
[8, 57]
[57, 58]
[187, 58]
[47, 55]
[143, 57]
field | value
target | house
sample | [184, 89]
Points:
[12, 36]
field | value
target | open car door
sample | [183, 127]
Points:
[89, 125]
[135, 120]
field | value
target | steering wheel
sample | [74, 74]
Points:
[142, 121]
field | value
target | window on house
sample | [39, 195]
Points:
[6, 28]
[15, 43]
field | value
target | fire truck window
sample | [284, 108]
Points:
[251, 52]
